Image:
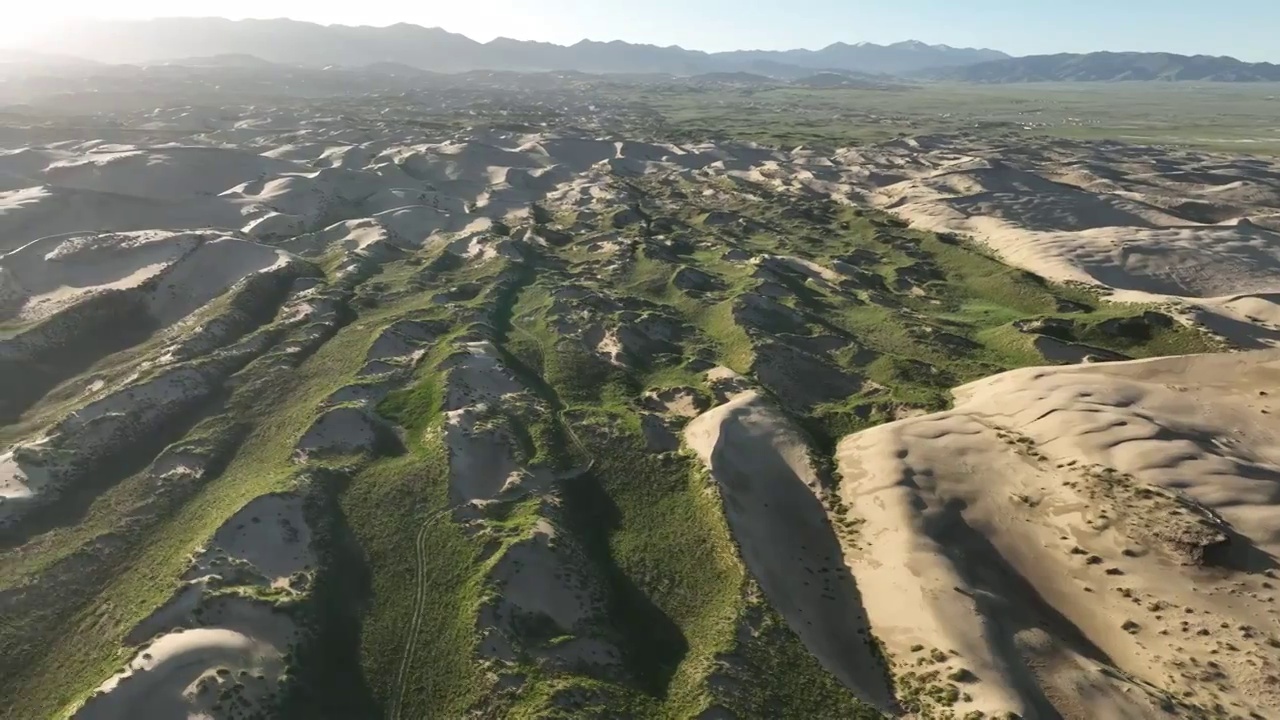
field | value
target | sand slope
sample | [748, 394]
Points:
[181, 272]
[202, 672]
[1095, 541]
[760, 464]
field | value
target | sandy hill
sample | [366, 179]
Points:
[1093, 541]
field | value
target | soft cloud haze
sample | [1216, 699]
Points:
[1241, 28]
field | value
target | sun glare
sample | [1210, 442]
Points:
[26, 22]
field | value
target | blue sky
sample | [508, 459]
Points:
[1248, 29]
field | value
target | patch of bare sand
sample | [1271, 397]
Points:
[726, 384]
[231, 665]
[343, 430]
[476, 375]
[267, 542]
[482, 454]
[183, 271]
[761, 465]
[20, 483]
[1094, 541]
[483, 447]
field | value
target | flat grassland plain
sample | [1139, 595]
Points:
[350, 395]
[1228, 117]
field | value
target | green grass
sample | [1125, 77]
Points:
[653, 533]
[86, 647]
[779, 677]
[414, 408]
[663, 546]
[386, 504]
[916, 347]
[1229, 117]
[275, 404]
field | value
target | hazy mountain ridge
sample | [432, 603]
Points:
[1110, 66]
[903, 57]
[294, 42]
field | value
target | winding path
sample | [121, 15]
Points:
[419, 603]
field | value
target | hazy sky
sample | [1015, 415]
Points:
[1246, 29]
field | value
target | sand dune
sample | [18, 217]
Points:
[525, 596]
[1090, 541]
[268, 539]
[42, 211]
[199, 671]
[772, 500]
[1085, 542]
[180, 271]
[483, 448]
[1144, 226]
[163, 173]
[203, 654]
[20, 483]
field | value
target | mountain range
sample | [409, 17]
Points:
[1109, 66]
[303, 43]
[246, 43]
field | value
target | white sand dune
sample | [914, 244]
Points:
[208, 272]
[483, 449]
[164, 173]
[394, 198]
[268, 538]
[183, 673]
[476, 376]
[32, 213]
[416, 224]
[340, 431]
[360, 237]
[204, 653]
[131, 404]
[482, 460]
[56, 267]
[404, 340]
[571, 604]
[771, 497]
[1091, 541]
[20, 168]
[277, 226]
[20, 483]
[186, 270]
